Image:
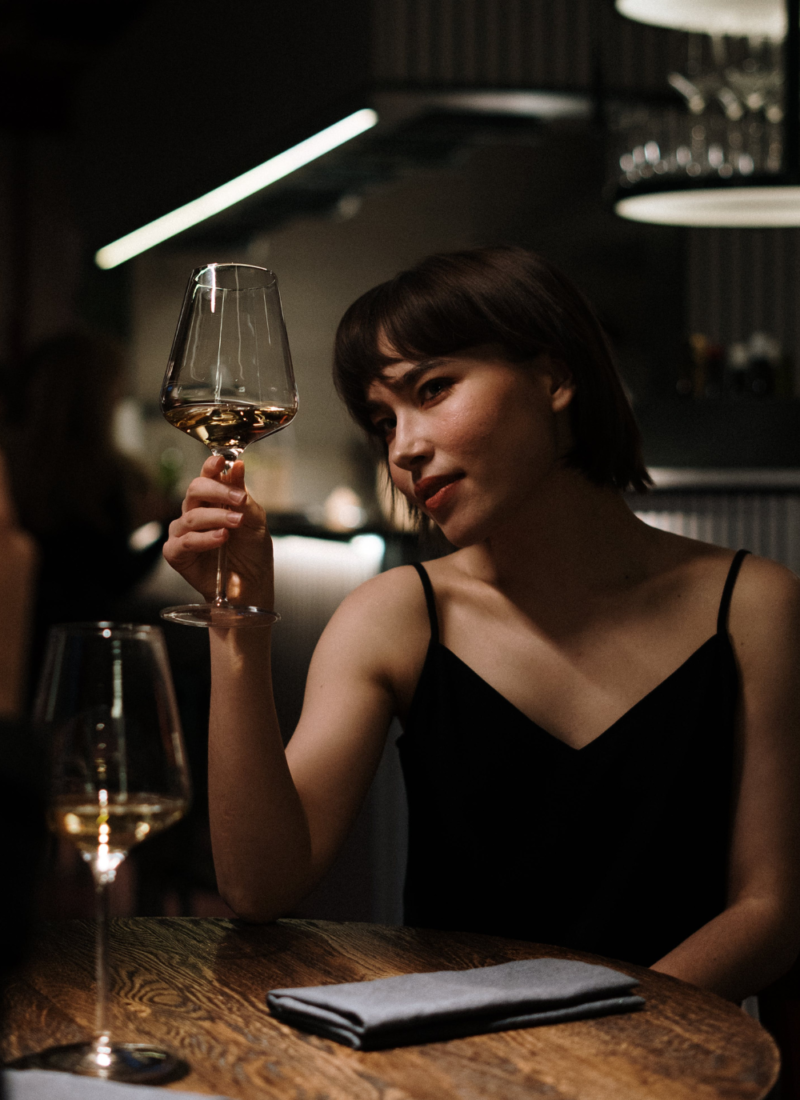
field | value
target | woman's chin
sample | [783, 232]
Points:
[462, 534]
[465, 527]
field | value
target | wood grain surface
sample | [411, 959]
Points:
[198, 987]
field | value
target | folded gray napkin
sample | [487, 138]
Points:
[448, 1004]
[44, 1084]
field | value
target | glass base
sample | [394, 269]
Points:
[222, 616]
[132, 1062]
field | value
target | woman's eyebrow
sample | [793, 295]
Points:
[405, 381]
[409, 377]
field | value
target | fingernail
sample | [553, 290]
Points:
[237, 496]
[235, 518]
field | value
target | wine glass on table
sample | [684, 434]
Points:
[118, 776]
[229, 382]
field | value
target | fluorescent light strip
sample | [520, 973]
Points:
[132, 244]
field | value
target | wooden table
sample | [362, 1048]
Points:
[198, 988]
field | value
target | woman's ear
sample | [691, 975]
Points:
[562, 384]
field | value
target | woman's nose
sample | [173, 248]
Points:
[409, 446]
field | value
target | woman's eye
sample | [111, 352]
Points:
[385, 425]
[433, 387]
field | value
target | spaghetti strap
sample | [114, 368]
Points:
[430, 600]
[727, 592]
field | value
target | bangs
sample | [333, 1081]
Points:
[437, 309]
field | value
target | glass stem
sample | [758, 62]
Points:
[221, 594]
[101, 1036]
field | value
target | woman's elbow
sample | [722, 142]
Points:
[260, 906]
[780, 936]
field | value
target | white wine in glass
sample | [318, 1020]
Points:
[118, 776]
[229, 382]
[104, 831]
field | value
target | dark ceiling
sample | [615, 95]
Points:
[161, 101]
[46, 46]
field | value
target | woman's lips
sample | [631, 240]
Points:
[433, 492]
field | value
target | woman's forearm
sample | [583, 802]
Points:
[738, 953]
[259, 831]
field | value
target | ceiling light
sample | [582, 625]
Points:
[272, 170]
[738, 18]
[733, 207]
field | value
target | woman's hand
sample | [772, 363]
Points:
[214, 513]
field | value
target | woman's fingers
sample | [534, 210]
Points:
[204, 491]
[236, 476]
[196, 531]
[213, 466]
[212, 510]
[209, 488]
[183, 552]
[204, 519]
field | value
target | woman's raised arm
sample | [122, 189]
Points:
[278, 818]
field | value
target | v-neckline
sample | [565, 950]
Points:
[603, 733]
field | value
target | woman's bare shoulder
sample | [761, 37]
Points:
[764, 589]
[383, 624]
[396, 594]
[691, 562]
[669, 550]
[765, 575]
[766, 599]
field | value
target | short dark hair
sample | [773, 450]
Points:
[508, 297]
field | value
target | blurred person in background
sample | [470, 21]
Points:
[21, 778]
[18, 555]
[74, 491]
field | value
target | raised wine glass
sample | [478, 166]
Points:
[229, 382]
[118, 775]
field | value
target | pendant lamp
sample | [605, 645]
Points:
[709, 176]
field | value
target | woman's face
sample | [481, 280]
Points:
[470, 437]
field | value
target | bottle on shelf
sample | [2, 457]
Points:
[738, 361]
[764, 355]
[757, 367]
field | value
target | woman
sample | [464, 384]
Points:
[600, 718]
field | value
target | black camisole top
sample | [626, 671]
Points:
[619, 848]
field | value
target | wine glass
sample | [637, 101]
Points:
[229, 382]
[119, 776]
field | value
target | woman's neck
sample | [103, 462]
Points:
[571, 535]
